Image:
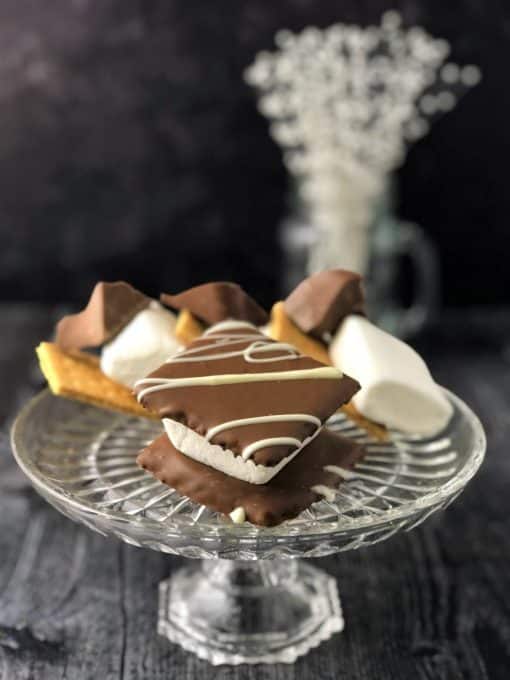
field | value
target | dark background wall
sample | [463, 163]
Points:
[130, 147]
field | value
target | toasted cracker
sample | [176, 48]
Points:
[283, 329]
[77, 375]
[188, 327]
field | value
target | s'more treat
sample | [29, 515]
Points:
[319, 304]
[110, 307]
[314, 474]
[242, 403]
[397, 388]
[136, 333]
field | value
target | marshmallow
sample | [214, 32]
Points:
[193, 445]
[146, 342]
[397, 389]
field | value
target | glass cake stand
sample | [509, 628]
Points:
[248, 600]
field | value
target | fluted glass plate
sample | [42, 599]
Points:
[83, 461]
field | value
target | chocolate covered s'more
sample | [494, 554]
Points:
[310, 317]
[133, 333]
[242, 403]
[326, 312]
[312, 475]
[109, 309]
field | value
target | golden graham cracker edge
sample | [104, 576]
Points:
[281, 328]
[188, 327]
[76, 375]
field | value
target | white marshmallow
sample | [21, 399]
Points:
[397, 389]
[195, 446]
[141, 346]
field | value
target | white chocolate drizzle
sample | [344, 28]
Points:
[248, 451]
[158, 384]
[287, 417]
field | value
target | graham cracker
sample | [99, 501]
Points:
[283, 329]
[77, 375]
[188, 327]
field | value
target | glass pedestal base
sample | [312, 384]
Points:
[230, 612]
[83, 461]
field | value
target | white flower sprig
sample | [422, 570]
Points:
[345, 102]
[362, 91]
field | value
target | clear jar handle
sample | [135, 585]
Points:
[412, 242]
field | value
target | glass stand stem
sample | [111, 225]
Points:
[233, 612]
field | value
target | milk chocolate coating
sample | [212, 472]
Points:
[282, 498]
[217, 301]
[203, 407]
[110, 308]
[320, 303]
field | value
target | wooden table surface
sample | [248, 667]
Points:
[430, 604]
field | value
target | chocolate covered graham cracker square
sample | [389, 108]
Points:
[315, 473]
[241, 402]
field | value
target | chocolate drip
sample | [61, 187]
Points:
[319, 304]
[282, 498]
[110, 308]
[217, 301]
